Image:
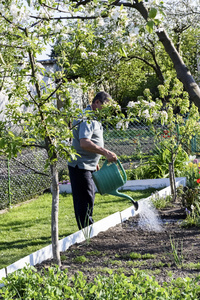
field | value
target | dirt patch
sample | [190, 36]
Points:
[127, 246]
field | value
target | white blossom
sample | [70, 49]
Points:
[101, 22]
[115, 14]
[39, 77]
[160, 29]
[126, 124]
[83, 55]
[146, 113]
[145, 102]
[131, 38]
[39, 65]
[122, 124]
[14, 10]
[92, 54]
[26, 43]
[119, 125]
[164, 114]
[136, 30]
[82, 48]
[131, 104]
[116, 106]
[155, 115]
[152, 104]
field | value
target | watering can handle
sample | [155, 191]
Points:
[122, 169]
[123, 172]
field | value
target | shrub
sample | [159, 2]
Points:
[55, 284]
[157, 165]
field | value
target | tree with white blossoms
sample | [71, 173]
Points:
[178, 119]
[27, 27]
[31, 118]
[152, 13]
[123, 23]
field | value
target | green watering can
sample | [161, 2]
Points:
[108, 179]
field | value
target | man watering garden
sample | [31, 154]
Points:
[89, 145]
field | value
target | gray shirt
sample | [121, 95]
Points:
[92, 130]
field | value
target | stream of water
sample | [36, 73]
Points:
[149, 218]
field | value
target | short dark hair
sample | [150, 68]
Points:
[102, 97]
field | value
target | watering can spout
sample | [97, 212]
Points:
[116, 193]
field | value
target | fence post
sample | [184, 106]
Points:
[9, 190]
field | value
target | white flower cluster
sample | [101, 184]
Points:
[132, 104]
[84, 55]
[141, 103]
[155, 115]
[92, 54]
[122, 124]
[164, 115]
[146, 114]
[131, 38]
[119, 14]
[148, 110]
[20, 15]
[101, 22]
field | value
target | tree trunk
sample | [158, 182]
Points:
[172, 181]
[183, 74]
[54, 214]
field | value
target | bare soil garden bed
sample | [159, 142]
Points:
[127, 246]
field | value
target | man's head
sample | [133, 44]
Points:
[99, 99]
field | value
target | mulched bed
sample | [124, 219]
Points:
[112, 249]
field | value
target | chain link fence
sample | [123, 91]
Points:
[135, 140]
[24, 177]
[139, 139]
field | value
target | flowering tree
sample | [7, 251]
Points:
[31, 118]
[94, 35]
[124, 26]
[178, 127]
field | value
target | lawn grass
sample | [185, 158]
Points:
[26, 228]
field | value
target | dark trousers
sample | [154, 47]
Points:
[83, 191]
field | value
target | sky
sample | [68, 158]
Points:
[44, 55]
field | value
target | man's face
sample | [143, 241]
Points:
[98, 105]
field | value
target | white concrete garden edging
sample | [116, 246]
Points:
[131, 185]
[102, 225]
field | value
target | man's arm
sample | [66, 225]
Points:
[89, 146]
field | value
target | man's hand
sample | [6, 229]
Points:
[89, 146]
[110, 156]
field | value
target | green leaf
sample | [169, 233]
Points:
[2, 143]
[152, 13]
[11, 134]
[149, 26]
[123, 52]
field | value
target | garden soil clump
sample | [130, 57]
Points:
[127, 246]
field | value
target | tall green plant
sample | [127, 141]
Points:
[159, 161]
